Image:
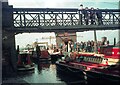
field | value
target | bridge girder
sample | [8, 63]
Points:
[76, 28]
[57, 19]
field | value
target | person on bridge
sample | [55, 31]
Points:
[99, 16]
[85, 13]
[81, 8]
[92, 16]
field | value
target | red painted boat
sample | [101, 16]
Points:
[111, 72]
[56, 55]
[112, 53]
[86, 62]
[44, 55]
[43, 65]
[24, 62]
[78, 63]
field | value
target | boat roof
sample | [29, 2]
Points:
[91, 54]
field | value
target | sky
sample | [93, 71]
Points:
[61, 3]
[28, 38]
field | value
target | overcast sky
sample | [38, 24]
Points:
[57, 3]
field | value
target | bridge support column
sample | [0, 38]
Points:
[8, 41]
[9, 51]
[0, 43]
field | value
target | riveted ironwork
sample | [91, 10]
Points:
[59, 19]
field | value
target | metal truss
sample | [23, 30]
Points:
[41, 17]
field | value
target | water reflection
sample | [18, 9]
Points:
[70, 79]
[45, 72]
[43, 66]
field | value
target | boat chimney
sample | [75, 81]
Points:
[18, 50]
[114, 41]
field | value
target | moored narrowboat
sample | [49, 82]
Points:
[81, 62]
[112, 53]
[24, 62]
[109, 74]
[45, 56]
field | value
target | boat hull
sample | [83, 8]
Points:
[69, 70]
[25, 68]
[102, 77]
[44, 59]
[55, 57]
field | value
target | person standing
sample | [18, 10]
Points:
[99, 16]
[69, 46]
[81, 6]
[85, 13]
[75, 46]
[82, 46]
[92, 16]
[107, 43]
[80, 14]
[104, 40]
[38, 52]
[89, 47]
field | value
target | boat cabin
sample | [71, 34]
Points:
[112, 53]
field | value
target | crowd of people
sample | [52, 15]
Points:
[91, 16]
[88, 46]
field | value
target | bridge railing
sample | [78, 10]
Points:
[26, 17]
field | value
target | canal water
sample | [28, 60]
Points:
[45, 73]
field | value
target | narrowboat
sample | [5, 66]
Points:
[111, 72]
[41, 53]
[111, 52]
[24, 62]
[42, 56]
[78, 63]
[43, 65]
[56, 55]
[45, 56]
